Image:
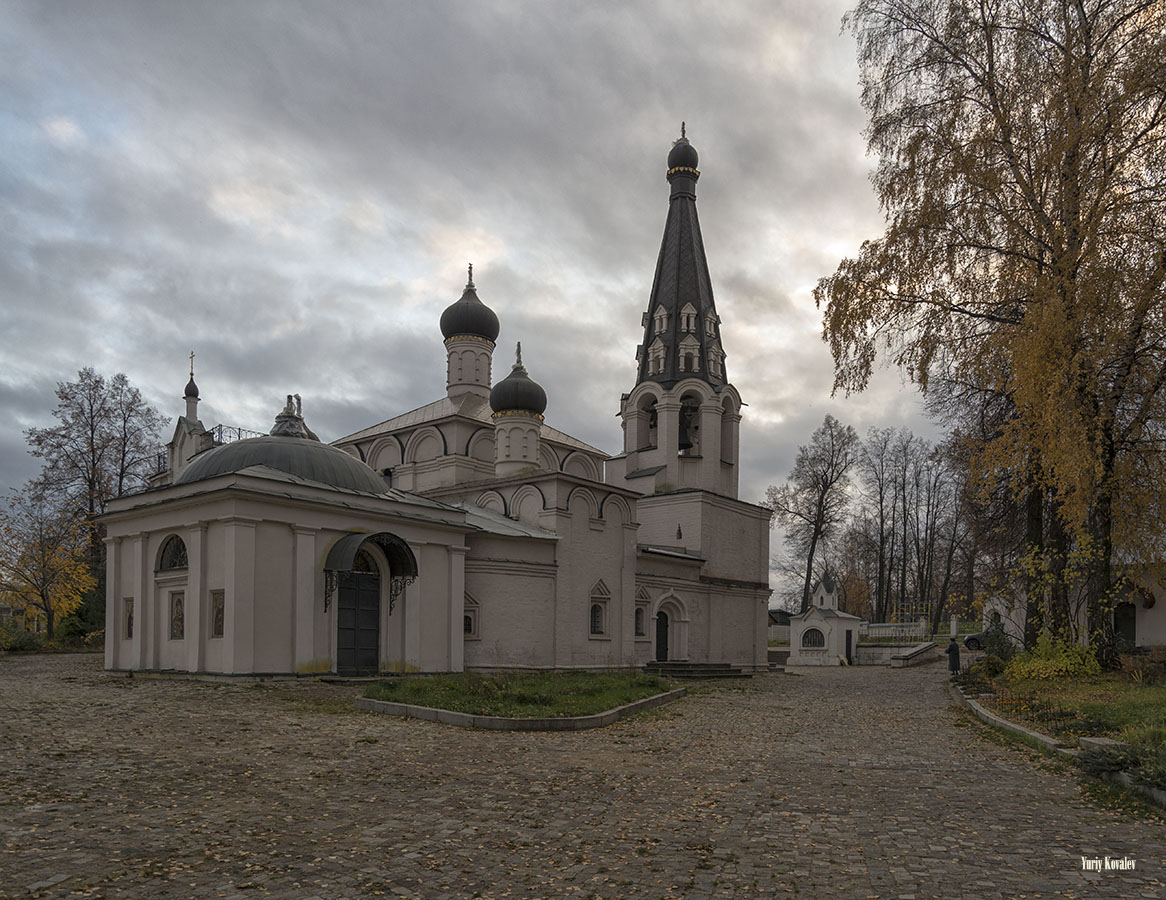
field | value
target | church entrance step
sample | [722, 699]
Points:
[675, 669]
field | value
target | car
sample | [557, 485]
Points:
[975, 641]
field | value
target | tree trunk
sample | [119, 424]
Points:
[1061, 622]
[1033, 583]
[809, 572]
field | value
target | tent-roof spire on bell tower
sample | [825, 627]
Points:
[682, 336]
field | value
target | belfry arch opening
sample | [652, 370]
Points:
[688, 427]
[647, 422]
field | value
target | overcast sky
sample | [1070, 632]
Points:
[293, 190]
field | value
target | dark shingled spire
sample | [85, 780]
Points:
[682, 335]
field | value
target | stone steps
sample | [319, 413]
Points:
[676, 669]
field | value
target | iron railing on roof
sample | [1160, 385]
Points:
[226, 434]
[220, 434]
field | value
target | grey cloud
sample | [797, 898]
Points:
[286, 191]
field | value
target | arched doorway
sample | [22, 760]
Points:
[661, 636]
[358, 618]
[367, 574]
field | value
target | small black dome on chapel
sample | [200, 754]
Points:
[191, 389]
[469, 315]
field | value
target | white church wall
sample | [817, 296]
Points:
[274, 607]
[592, 558]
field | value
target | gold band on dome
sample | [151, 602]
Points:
[518, 412]
[470, 337]
[677, 169]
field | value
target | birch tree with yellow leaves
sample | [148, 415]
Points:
[43, 556]
[1022, 172]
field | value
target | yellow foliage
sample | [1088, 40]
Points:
[43, 562]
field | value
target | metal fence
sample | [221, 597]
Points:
[905, 631]
[1035, 712]
[226, 434]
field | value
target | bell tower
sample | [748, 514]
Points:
[681, 419]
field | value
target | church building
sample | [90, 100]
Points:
[467, 533]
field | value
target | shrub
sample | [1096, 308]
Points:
[991, 666]
[1053, 659]
[998, 644]
[95, 640]
[20, 640]
[71, 632]
[1099, 761]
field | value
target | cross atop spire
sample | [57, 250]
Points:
[682, 135]
[518, 354]
[191, 392]
[470, 281]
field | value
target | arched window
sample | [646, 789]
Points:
[173, 555]
[597, 624]
[641, 630]
[812, 638]
[470, 618]
[598, 614]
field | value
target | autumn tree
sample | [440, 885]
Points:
[43, 555]
[1022, 170]
[104, 443]
[812, 502]
[103, 446]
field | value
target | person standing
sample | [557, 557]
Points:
[953, 657]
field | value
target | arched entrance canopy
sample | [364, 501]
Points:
[402, 562]
[401, 559]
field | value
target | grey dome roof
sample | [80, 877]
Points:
[301, 457]
[469, 315]
[518, 391]
[191, 389]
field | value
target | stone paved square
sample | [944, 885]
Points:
[848, 783]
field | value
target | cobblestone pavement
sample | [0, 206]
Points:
[842, 783]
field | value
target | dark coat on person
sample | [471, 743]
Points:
[953, 656]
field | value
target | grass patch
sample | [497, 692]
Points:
[534, 695]
[1116, 706]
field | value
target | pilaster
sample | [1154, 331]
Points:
[196, 598]
[304, 630]
[239, 628]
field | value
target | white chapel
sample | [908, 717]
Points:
[467, 533]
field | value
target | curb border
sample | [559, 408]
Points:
[1154, 795]
[508, 723]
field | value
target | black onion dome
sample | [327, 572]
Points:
[301, 457]
[518, 391]
[191, 389]
[469, 315]
[683, 155]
